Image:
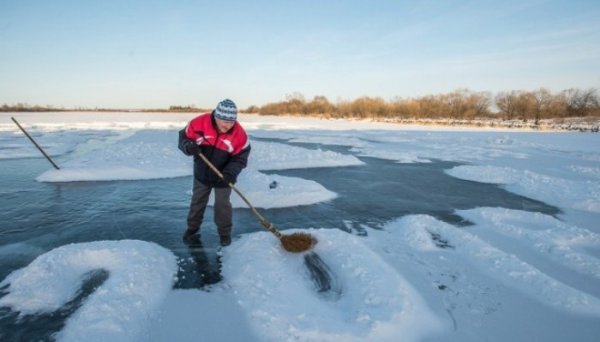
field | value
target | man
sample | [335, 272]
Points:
[223, 141]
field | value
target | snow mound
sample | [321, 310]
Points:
[282, 302]
[582, 195]
[287, 192]
[548, 236]
[141, 275]
[505, 267]
[277, 156]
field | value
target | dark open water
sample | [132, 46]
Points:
[37, 217]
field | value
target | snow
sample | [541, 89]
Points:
[187, 315]
[140, 276]
[563, 242]
[152, 154]
[583, 194]
[506, 267]
[417, 278]
[375, 302]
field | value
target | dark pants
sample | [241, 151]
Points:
[222, 207]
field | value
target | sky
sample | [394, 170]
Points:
[154, 54]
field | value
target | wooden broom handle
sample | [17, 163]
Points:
[268, 225]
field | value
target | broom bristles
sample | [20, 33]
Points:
[298, 242]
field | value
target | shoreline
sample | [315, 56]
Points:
[574, 124]
[561, 124]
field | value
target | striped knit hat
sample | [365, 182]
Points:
[226, 110]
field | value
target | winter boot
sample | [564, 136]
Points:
[225, 240]
[190, 235]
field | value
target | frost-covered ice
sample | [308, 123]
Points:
[417, 278]
[152, 154]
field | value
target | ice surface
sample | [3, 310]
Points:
[512, 275]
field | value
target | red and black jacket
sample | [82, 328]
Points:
[227, 151]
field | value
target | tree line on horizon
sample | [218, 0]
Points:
[24, 107]
[459, 104]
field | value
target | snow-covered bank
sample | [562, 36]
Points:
[149, 120]
[579, 124]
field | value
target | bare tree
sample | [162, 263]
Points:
[542, 104]
[462, 103]
[506, 102]
[319, 105]
[581, 102]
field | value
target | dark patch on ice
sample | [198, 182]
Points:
[356, 228]
[439, 241]
[454, 324]
[327, 284]
[197, 270]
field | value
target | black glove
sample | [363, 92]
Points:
[193, 149]
[227, 179]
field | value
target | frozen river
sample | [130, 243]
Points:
[444, 182]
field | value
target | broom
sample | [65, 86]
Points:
[295, 243]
